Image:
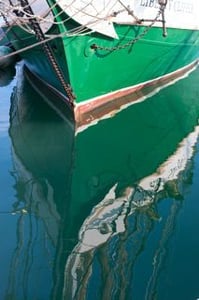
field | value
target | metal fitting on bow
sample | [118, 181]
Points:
[162, 2]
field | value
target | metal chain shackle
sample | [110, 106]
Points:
[130, 43]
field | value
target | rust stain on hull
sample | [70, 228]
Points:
[110, 104]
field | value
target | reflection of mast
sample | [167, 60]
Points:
[115, 262]
[161, 252]
[15, 262]
[126, 249]
[168, 230]
[38, 226]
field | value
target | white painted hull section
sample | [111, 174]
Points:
[100, 16]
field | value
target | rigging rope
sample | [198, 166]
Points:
[48, 51]
[23, 15]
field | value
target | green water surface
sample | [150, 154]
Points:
[53, 180]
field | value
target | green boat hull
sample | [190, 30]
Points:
[96, 66]
[97, 72]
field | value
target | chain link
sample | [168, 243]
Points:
[132, 42]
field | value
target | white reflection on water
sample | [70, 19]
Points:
[7, 82]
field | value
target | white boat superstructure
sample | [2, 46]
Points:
[100, 16]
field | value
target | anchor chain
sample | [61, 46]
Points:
[163, 4]
[48, 51]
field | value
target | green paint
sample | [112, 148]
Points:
[92, 73]
[135, 142]
[95, 73]
[52, 179]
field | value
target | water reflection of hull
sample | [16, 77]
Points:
[39, 139]
[94, 192]
[108, 217]
[110, 223]
[134, 143]
[39, 136]
[145, 157]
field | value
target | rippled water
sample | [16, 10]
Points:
[108, 213]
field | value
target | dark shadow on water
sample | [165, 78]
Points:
[7, 75]
[42, 151]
